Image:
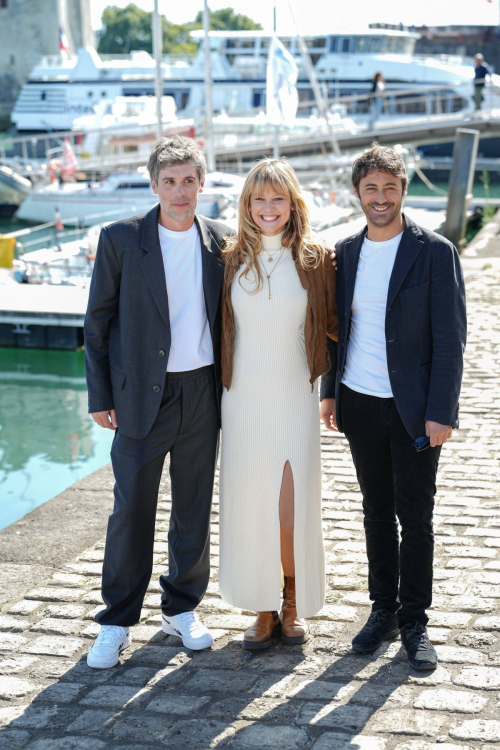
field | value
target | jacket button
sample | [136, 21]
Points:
[391, 341]
[156, 388]
[161, 352]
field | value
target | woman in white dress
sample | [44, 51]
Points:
[278, 306]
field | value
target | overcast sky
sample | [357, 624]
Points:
[312, 16]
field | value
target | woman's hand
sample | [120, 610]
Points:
[333, 258]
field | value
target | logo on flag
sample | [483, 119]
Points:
[63, 44]
[282, 97]
[69, 161]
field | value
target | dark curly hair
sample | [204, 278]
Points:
[379, 159]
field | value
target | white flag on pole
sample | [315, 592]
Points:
[282, 97]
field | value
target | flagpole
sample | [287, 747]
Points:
[157, 52]
[209, 140]
[276, 143]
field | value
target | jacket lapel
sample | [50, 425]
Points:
[213, 270]
[352, 250]
[409, 247]
[152, 263]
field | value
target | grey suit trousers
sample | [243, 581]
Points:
[187, 427]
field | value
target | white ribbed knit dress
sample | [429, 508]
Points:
[269, 417]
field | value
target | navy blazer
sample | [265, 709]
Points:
[425, 327]
[127, 325]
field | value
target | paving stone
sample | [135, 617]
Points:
[14, 739]
[336, 741]
[61, 692]
[422, 745]
[344, 717]
[67, 579]
[12, 624]
[11, 642]
[28, 717]
[448, 619]
[24, 607]
[477, 730]
[55, 594]
[65, 611]
[200, 735]
[160, 656]
[55, 646]
[487, 623]
[451, 700]
[94, 722]
[134, 676]
[170, 703]
[485, 678]
[475, 640]
[337, 612]
[137, 727]
[221, 680]
[69, 743]
[263, 709]
[14, 687]
[58, 626]
[451, 655]
[261, 736]
[117, 696]
[407, 721]
[321, 690]
[16, 664]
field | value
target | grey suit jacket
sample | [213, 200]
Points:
[425, 327]
[127, 325]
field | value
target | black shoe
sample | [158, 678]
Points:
[421, 652]
[381, 626]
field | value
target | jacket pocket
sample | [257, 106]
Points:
[117, 378]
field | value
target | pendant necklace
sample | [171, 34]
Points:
[268, 275]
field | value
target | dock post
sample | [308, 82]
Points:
[460, 185]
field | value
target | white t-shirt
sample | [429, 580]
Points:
[191, 345]
[366, 362]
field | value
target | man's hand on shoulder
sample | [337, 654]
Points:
[327, 413]
[333, 257]
[438, 433]
[106, 419]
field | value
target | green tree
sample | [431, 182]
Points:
[127, 29]
[226, 19]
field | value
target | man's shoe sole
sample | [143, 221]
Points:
[110, 664]
[193, 645]
[390, 636]
[423, 666]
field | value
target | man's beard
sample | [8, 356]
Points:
[180, 214]
[379, 220]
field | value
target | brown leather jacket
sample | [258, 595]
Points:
[321, 318]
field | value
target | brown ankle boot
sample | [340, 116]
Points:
[293, 630]
[260, 635]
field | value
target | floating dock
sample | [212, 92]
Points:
[42, 316]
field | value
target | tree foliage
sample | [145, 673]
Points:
[127, 29]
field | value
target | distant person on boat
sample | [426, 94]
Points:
[278, 306]
[376, 98]
[393, 390]
[481, 73]
[152, 355]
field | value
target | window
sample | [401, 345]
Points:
[3, 3]
[345, 44]
[334, 44]
[132, 185]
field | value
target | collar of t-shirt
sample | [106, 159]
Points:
[175, 235]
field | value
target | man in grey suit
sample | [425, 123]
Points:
[393, 389]
[152, 354]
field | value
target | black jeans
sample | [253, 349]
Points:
[397, 483]
[187, 427]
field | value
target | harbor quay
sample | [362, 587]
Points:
[319, 696]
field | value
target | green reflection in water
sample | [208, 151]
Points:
[47, 439]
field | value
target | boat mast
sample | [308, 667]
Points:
[320, 100]
[157, 52]
[209, 141]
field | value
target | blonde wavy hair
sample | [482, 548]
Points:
[246, 245]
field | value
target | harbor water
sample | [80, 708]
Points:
[47, 439]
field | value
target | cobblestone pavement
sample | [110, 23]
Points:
[318, 696]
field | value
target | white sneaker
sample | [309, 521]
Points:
[187, 626]
[107, 647]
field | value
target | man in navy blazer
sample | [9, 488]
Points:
[393, 390]
[152, 357]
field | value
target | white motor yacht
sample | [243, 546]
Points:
[120, 196]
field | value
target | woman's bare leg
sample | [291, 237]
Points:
[286, 507]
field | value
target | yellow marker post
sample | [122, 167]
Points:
[7, 245]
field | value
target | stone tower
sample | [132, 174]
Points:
[29, 29]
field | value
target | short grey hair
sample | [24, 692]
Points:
[175, 150]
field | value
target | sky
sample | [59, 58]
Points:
[320, 16]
